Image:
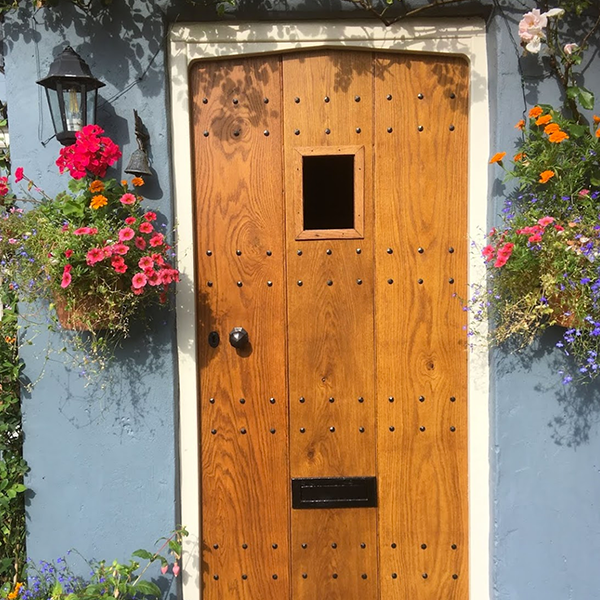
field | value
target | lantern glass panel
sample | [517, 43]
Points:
[54, 105]
[75, 113]
[91, 106]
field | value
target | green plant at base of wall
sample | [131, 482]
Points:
[12, 465]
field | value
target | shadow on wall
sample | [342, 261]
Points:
[577, 403]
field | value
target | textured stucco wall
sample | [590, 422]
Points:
[103, 457]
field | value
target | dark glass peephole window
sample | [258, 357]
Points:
[328, 191]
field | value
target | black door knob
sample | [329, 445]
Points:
[238, 337]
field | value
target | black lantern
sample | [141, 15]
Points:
[72, 93]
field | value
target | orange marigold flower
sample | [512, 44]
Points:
[598, 132]
[535, 112]
[497, 157]
[552, 128]
[545, 176]
[543, 120]
[15, 592]
[596, 119]
[123, 181]
[96, 186]
[519, 156]
[98, 202]
[137, 181]
[558, 136]
[520, 124]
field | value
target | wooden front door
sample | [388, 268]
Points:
[331, 226]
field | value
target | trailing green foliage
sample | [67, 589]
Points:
[12, 465]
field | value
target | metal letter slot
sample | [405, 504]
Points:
[339, 492]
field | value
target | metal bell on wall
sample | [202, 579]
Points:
[138, 163]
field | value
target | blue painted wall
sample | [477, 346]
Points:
[545, 459]
[103, 457]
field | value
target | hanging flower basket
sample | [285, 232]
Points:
[88, 314]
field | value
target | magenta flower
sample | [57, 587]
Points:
[19, 174]
[94, 255]
[157, 240]
[146, 262]
[127, 199]
[120, 248]
[66, 279]
[545, 221]
[139, 281]
[126, 234]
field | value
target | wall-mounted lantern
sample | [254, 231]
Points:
[72, 93]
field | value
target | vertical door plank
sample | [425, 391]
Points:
[240, 249]
[421, 266]
[330, 328]
[334, 552]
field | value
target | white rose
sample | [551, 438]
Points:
[531, 29]
[570, 48]
[555, 12]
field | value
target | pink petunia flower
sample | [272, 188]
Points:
[126, 234]
[146, 227]
[67, 268]
[68, 253]
[139, 281]
[130, 220]
[150, 216]
[157, 240]
[120, 268]
[488, 252]
[66, 280]
[19, 174]
[140, 243]
[127, 198]
[137, 291]
[534, 239]
[504, 254]
[94, 255]
[545, 221]
[146, 262]
[120, 248]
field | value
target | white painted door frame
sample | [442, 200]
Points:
[201, 41]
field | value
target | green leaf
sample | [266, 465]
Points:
[143, 554]
[581, 95]
[148, 588]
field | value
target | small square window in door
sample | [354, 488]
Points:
[329, 192]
